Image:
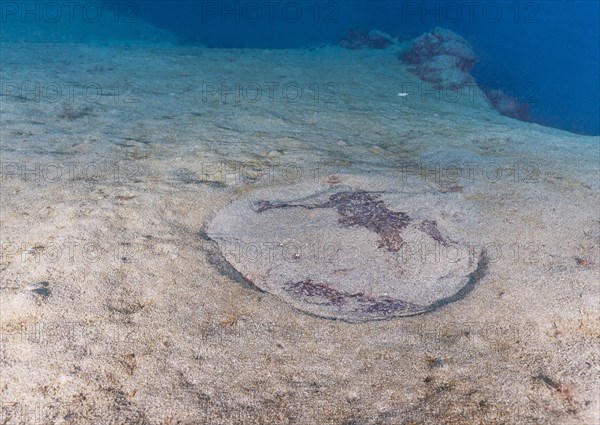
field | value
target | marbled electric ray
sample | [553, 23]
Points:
[351, 253]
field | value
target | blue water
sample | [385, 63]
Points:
[544, 53]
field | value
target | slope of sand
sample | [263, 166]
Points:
[105, 197]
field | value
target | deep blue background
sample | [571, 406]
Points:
[545, 53]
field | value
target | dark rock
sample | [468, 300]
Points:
[41, 289]
[508, 105]
[441, 57]
[361, 39]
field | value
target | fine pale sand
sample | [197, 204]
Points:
[115, 310]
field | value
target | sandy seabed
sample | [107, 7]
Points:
[116, 310]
